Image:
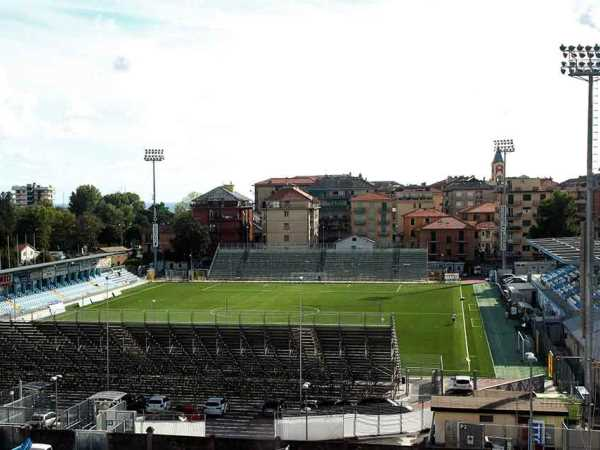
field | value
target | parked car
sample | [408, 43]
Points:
[158, 403]
[216, 406]
[40, 447]
[460, 384]
[272, 407]
[43, 420]
[514, 279]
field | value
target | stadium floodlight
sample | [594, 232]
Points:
[584, 64]
[154, 155]
[504, 146]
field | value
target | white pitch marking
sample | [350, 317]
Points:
[462, 305]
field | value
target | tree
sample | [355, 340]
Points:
[85, 199]
[34, 225]
[185, 203]
[89, 228]
[190, 237]
[8, 222]
[64, 231]
[557, 217]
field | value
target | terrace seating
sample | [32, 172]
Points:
[319, 264]
[190, 363]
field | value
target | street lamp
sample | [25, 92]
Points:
[154, 155]
[531, 359]
[504, 146]
[55, 379]
[583, 63]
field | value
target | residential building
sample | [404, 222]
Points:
[291, 218]
[386, 186]
[449, 239]
[355, 243]
[335, 193]
[264, 189]
[466, 192]
[486, 212]
[500, 410]
[227, 214]
[33, 194]
[414, 220]
[27, 254]
[487, 239]
[575, 188]
[373, 218]
[524, 197]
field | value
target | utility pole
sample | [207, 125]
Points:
[583, 63]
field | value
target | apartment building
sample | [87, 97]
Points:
[414, 221]
[466, 192]
[227, 214]
[291, 218]
[33, 194]
[373, 217]
[575, 188]
[449, 239]
[524, 197]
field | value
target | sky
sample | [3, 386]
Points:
[240, 90]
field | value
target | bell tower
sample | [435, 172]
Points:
[498, 168]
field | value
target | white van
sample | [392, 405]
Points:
[41, 447]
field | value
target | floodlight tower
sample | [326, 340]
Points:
[583, 63]
[504, 146]
[154, 155]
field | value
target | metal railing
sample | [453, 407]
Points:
[224, 316]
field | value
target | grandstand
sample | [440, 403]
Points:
[30, 289]
[192, 362]
[391, 264]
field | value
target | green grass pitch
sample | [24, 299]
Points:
[423, 312]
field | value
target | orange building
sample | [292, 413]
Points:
[414, 221]
[373, 217]
[449, 239]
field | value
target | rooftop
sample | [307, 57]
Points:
[486, 226]
[462, 183]
[221, 194]
[484, 208]
[305, 180]
[499, 402]
[290, 193]
[448, 223]
[429, 212]
[371, 197]
[566, 250]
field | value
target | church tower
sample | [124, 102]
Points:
[498, 168]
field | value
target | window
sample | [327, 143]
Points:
[459, 204]
[426, 219]
[486, 419]
[286, 226]
[470, 194]
[286, 214]
[433, 236]
[461, 235]
[511, 199]
[448, 239]
[523, 420]
[526, 197]
[286, 238]
[412, 221]
[526, 223]
[461, 248]
[542, 196]
[433, 248]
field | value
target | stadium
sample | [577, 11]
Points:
[349, 327]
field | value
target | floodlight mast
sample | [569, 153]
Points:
[583, 63]
[504, 146]
[154, 155]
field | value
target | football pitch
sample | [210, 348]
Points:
[422, 312]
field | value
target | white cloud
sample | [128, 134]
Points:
[412, 91]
